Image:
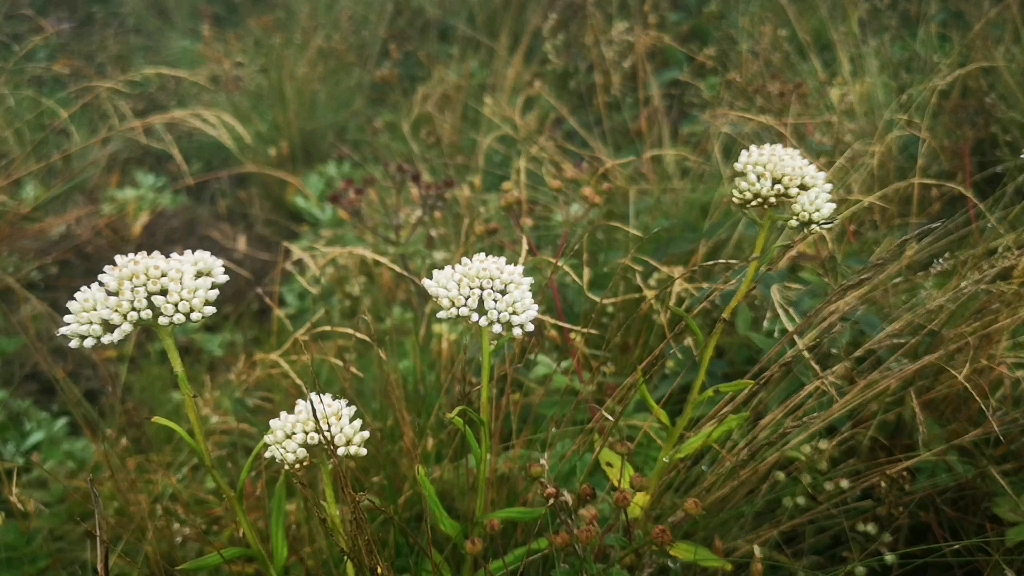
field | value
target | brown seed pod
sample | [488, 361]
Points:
[474, 546]
[623, 498]
[661, 536]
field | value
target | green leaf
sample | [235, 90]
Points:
[691, 324]
[636, 507]
[181, 432]
[699, 555]
[216, 559]
[1009, 509]
[656, 410]
[439, 567]
[437, 511]
[693, 444]
[517, 514]
[731, 422]
[1015, 535]
[459, 423]
[278, 537]
[710, 434]
[728, 388]
[615, 466]
[510, 563]
[247, 469]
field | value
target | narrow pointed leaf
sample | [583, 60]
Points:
[727, 388]
[691, 324]
[517, 514]
[437, 511]
[474, 446]
[1015, 535]
[216, 559]
[247, 469]
[656, 410]
[181, 432]
[278, 536]
[710, 434]
[699, 555]
[511, 562]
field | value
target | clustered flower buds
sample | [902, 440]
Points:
[774, 175]
[321, 420]
[142, 287]
[486, 290]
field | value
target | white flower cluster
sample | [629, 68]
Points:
[140, 287]
[773, 174]
[320, 417]
[487, 291]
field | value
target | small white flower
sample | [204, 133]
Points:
[322, 419]
[486, 290]
[773, 175]
[140, 287]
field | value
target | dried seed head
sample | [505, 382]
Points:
[492, 526]
[661, 536]
[588, 515]
[586, 493]
[550, 493]
[718, 547]
[637, 482]
[623, 498]
[587, 534]
[693, 507]
[561, 540]
[474, 546]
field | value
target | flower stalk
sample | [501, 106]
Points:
[483, 466]
[166, 334]
[683, 422]
[333, 515]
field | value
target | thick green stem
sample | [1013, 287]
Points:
[333, 515]
[483, 466]
[167, 339]
[683, 422]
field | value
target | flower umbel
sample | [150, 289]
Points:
[141, 287]
[773, 175]
[320, 417]
[486, 290]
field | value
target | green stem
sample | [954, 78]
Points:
[681, 425]
[485, 440]
[166, 334]
[333, 516]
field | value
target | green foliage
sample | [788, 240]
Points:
[859, 405]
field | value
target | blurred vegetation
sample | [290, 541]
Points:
[334, 152]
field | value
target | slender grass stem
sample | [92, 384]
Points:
[166, 334]
[683, 422]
